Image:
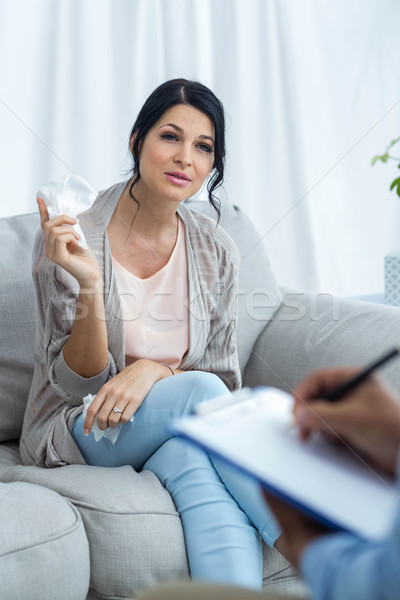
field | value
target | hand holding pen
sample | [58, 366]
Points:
[356, 407]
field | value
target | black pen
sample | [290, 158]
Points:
[341, 390]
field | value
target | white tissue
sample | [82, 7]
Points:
[111, 433]
[71, 197]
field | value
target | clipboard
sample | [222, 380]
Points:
[251, 429]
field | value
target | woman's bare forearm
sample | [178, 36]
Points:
[86, 350]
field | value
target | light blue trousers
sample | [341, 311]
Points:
[222, 511]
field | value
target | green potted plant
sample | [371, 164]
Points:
[392, 260]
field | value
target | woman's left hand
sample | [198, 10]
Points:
[126, 392]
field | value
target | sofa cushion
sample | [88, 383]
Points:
[17, 316]
[134, 531]
[44, 553]
[313, 331]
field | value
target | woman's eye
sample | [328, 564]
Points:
[204, 148]
[168, 136]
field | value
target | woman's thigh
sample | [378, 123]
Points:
[168, 399]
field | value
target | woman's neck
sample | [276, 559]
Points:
[149, 218]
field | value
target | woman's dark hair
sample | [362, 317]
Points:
[192, 93]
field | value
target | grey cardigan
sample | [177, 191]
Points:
[56, 393]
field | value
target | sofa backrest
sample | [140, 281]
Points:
[258, 295]
[258, 300]
[17, 318]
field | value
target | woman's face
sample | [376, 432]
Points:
[177, 154]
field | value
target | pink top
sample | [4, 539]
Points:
[155, 309]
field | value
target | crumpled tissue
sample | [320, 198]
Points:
[69, 197]
[111, 433]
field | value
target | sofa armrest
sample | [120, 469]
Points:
[312, 331]
[44, 551]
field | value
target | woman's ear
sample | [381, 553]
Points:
[132, 141]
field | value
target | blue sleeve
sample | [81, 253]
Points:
[343, 567]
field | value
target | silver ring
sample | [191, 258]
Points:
[117, 410]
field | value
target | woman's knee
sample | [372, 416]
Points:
[178, 460]
[202, 385]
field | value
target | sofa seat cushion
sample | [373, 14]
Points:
[134, 531]
[44, 552]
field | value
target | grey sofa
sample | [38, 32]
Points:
[79, 532]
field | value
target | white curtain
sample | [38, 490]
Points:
[311, 90]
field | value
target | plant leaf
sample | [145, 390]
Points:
[383, 157]
[392, 143]
[396, 184]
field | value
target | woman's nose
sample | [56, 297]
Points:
[183, 155]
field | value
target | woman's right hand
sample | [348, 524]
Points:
[61, 243]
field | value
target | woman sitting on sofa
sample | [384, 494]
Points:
[145, 319]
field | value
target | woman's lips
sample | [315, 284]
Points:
[178, 180]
